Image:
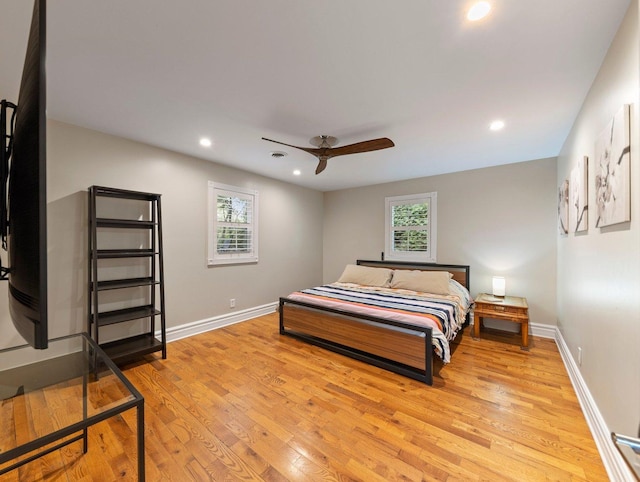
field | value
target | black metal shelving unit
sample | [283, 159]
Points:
[153, 308]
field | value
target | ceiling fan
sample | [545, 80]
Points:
[324, 149]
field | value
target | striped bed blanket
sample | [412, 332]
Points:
[445, 314]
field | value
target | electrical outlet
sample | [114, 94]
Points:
[579, 356]
[232, 303]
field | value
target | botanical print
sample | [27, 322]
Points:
[613, 187]
[578, 205]
[563, 207]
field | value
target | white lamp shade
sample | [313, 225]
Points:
[499, 285]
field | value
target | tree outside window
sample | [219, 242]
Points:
[233, 234]
[411, 227]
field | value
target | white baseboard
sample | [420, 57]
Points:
[208, 324]
[543, 331]
[613, 462]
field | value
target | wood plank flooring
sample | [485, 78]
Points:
[244, 403]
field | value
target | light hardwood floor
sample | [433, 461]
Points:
[244, 403]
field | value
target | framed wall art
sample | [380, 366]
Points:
[563, 208]
[612, 177]
[578, 204]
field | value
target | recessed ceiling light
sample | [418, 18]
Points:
[205, 142]
[297, 172]
[478, 11]
[496, 125]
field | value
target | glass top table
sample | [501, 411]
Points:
[49, 398]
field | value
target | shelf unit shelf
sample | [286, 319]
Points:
[116, 284]
[124, 253]
[149, 286]
[126, 314]
[135, 346]
[124, 223]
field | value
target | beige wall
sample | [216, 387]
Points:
[78, 158]
[599, 272]
[499, 220]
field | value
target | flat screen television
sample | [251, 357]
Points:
[23, 195]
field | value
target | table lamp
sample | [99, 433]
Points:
[499, 284]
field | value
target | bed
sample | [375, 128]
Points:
[375, 314]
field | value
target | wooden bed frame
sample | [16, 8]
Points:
[395, 346]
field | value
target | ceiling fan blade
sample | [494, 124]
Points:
[325, 153]
[365, 146]
[310, 150]
[322, 165]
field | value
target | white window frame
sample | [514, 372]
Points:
[429, 256]
[213, 257]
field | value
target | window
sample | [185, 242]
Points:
[410, 227]
[233, 225]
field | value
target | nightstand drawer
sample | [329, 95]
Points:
[486, 308]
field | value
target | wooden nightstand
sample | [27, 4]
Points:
[509, 308]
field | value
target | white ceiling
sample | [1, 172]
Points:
[168, 72]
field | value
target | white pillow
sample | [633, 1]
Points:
[365, 275]
[436, 282]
